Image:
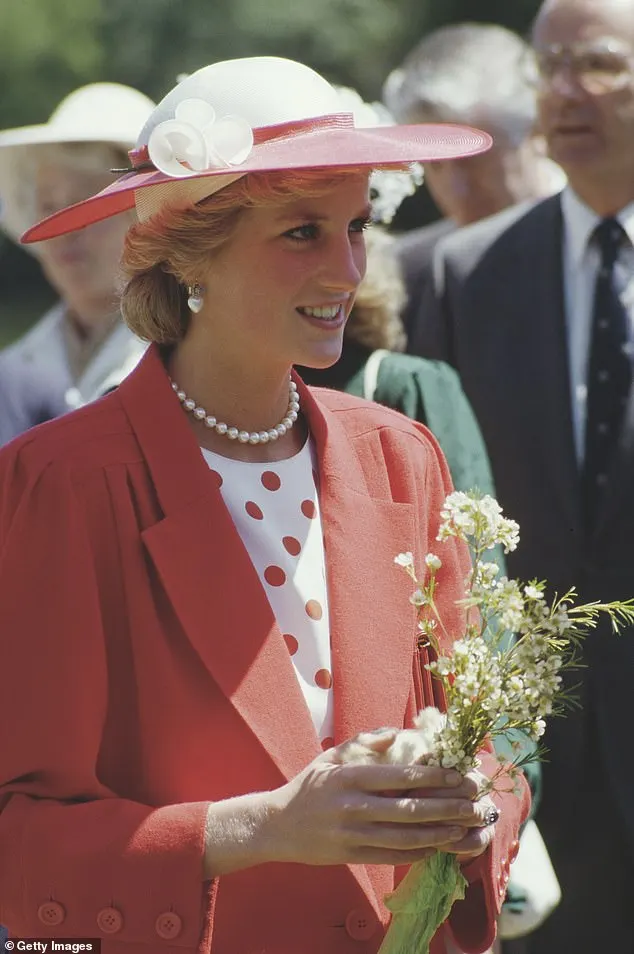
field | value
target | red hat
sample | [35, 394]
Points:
[255, 114]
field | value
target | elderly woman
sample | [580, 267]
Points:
[60, 362]
[197, 590]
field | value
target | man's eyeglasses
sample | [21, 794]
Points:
[600, 66]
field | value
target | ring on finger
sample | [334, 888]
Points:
[491, 816]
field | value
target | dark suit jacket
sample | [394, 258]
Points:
[415, 251]
[495, 310]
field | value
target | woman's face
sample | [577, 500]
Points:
[82, 266]
[280, 291]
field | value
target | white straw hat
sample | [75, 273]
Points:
[250, 115]
[98, 113]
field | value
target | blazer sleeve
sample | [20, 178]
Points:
[75, 860]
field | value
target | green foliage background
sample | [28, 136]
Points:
[49, 47]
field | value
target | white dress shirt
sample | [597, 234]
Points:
[581, 260]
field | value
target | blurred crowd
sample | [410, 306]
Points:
[505, 326]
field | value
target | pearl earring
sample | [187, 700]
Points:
[195, 300]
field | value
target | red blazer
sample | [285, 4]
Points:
[144, 675]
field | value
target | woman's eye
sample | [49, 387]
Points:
[360, 225]
[303, 232]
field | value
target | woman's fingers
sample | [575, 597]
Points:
[390, 778]
[416, 811]
[475, 842]
[471, 786]
[408, 837]
[478, 839]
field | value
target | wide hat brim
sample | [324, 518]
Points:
[323, 146]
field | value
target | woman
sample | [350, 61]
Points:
[224, 613]
[59, 362]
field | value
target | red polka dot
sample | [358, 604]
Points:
[323, 679]
[309, 509]
[275, 576]
[292, 546]
[327, 743]
[271, 480]
[216, 478]
[313, 609]
[253, 510]
[291, 643]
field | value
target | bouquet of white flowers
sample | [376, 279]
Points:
[491, 687]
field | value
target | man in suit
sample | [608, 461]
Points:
[469, 73]
[535, 307]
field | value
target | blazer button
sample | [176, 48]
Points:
[168, 925]
[51, 913]
[109, 920]
[360, 926]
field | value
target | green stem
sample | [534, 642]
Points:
[421, 903]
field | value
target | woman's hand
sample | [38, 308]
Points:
[480, 833]
[337, 812]
[341, 812]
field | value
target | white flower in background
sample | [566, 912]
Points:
[432, 562]
[404, 559]
[387, 188]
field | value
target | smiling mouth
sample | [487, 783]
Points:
[327, 313]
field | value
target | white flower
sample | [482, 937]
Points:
[537, 729]
[404, 559]
[433, 562]
[195, 140]
[467, 515]
[418, 598]
[486, 574]
[533, 593]
[426, 627]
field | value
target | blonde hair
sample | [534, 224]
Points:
[168, 252]
[375, 320]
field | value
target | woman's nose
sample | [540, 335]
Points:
[345, 266]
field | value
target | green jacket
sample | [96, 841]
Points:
[430, 392]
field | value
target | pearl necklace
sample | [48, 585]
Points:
[234, 433]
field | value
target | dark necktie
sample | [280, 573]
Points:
[609, 369]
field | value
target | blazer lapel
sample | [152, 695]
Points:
[546, 377]
[372, 656]
[209, 577]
